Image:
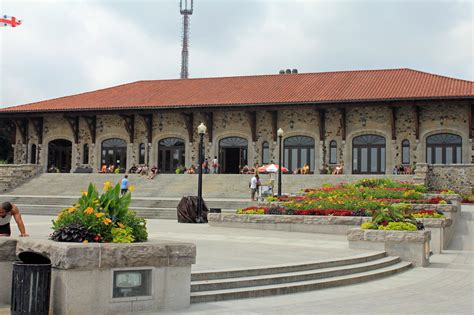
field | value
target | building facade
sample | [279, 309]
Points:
[368, 121]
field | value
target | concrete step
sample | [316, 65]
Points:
[294, 287]
[285, 268]
[298, 276]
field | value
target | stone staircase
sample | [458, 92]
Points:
[47, 194]
[284, 279]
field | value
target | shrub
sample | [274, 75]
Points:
[102, 216]
[400, 226]
[369, 226]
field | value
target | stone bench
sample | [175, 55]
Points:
[413, 246]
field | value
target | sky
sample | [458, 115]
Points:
[66, 47]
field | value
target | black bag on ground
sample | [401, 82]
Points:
[187, 209]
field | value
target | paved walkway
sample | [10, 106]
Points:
[445, 287]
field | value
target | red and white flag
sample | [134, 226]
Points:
[11, 21]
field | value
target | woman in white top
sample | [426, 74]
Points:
[7, 210]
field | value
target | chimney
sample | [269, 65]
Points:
[288, 71]
[294, 71]
[282, 71]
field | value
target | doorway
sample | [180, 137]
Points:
[59, 155]
[232, 154]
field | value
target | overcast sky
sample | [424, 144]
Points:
[66, 47]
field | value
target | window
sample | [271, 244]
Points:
[332, 152]
[85, 154]
[298, 151]
[444, 148]
[33, 154]
[368, 155]
[405, 152]
[141, 157]
[265, 153]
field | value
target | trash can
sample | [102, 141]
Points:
[31, 284]
[215, 210]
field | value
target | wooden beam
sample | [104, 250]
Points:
[22, 126]
[343, 123]
[209, 117]
[38, 125]
[252, 117]
[417, 122]
[74, 124]
[274, 125]
[393, 122]
[129, 123]
[148, 119]
[470, 120]
[92, 125]
[189, 123]
[322, 124]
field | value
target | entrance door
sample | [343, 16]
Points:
[232, 154]
[171, 153]
[368, 155]
[59, 155]
[114, 152]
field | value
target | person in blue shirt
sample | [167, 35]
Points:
[124, 185]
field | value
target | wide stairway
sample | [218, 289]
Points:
[274, 280]
[47, 194]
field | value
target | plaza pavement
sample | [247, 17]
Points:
[445, 287]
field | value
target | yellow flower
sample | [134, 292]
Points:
[84, 193]
[99, 214]
[107, 185]
[85, 242]
[89, 211]
[106, 221]
[71, 210]
[121, 225]
[131, 188]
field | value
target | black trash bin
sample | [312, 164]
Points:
[31, 284]
[215, 210]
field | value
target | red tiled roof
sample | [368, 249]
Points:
[324, 87]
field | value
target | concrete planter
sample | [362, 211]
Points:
[413, 246]
[442, 231]
[7, 257]
[289, 223]
[86, 277]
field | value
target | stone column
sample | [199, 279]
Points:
[421, 174]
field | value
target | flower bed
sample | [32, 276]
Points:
[100, 218]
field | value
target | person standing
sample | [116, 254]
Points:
[7, 211]
[124, 185]
[215, 165]
[254, 183]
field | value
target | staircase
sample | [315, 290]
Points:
[284, 279]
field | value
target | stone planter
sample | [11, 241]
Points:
[451, 211]
[7, 257]
[116, 278]
[442, 231]
[411, 246]
[289, 223]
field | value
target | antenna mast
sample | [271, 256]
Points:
[186, 9]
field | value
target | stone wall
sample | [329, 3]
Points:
[360, 120]
[458, 177]
[12, 175]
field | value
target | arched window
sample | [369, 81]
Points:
[444, 148]
[298, 151]
[170, 154]
[33, 154]
[405, 152]
[332, 152]
[368, 155]
[60, 155]
[85, 154]
[265, 153]
[114, 152]
[141, 157]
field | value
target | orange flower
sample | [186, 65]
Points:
[99, 214]
[89, 211]
[106, 221]
[120, 225]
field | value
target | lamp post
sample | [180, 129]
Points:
[201, 131]
[280, 136]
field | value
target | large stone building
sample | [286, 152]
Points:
[368, 120]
